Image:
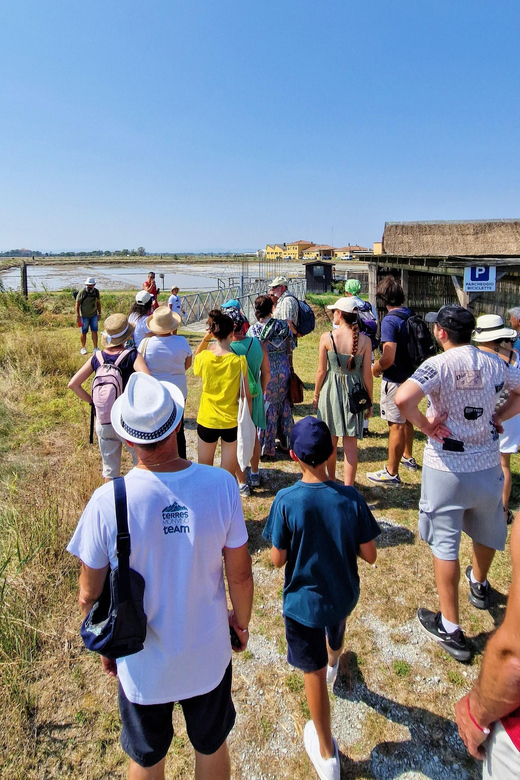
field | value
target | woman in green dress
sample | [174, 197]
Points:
[343, 366]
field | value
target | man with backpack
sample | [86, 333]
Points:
[395, 365]
[88, 311]
[298, 314]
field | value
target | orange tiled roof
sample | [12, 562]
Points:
[293, 243]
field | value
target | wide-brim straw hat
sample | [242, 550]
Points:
[163, 321]
[148, 411]
[348, 305]
[490, 327]
[116, 330]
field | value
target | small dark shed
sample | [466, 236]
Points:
[319, 275]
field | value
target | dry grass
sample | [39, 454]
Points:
[59, 715]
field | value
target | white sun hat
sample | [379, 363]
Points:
[148, 410]
[490, 327]
[348, 305]
[90, 282]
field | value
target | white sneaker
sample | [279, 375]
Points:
[332, 673]
[83, 351]
[327, 768]
[244, 490]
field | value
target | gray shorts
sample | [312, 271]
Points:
[451, 503]
[389, 410]
[502, 760]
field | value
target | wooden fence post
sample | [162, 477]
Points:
[23, 279]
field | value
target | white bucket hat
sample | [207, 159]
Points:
[148, 410]
[348, 305]
[90, 282]
[490, 327]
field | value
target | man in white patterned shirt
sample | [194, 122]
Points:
[462, 478]
[286, 305]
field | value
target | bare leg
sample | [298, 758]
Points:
[333, 654]
[350, 456]
[447, 575]
[396, 443]
[206, 452]
[505, 461]
[255, 460]
[216, 766]
[155, 772]
[228, 457]
[241, 476]
[408, 440]
[319, 708]
[482, 560]
[331, 463]
[94, 337]
[83, 339]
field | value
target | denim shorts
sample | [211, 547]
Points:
[306, 646]
[148, 730]
[91, 322]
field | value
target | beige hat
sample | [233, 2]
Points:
[277, 281]
[163, 320]
[116, 330]
[348, 305]
[490, 327]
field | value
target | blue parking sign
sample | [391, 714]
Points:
[480, 278]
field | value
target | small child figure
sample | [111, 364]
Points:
[318, 528]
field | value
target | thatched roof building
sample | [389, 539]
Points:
[493, 237]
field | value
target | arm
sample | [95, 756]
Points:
[98, 303]
[510, 408]
[188, 362]
[278, 557]
[407, 399]
[367, 368]
[321, 373]
[204, 343]
[497, 690]
[77, 380]
[265, 370]
[239, 576]
[368, 551]
[386, 360]
[140, 365]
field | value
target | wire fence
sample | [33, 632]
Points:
[197, 306]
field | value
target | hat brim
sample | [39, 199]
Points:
[158, 331]
[494, 335]
[121, 340]
[115, 416]
[431, 316]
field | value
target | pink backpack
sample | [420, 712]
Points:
[107, 385]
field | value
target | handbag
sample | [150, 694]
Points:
[358, 398]
[295, 392]
[246, 434]
[116, 625]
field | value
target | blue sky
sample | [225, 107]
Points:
[209, 125]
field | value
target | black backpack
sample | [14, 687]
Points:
[420, 342]
[306, 319]
[368, 324]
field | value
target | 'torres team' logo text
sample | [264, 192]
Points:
[175, 519]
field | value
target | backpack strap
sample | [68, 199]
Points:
[99, 357]
[123, 538]
[122, 356]
[143, 345]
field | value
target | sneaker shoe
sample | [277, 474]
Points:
[384, 478]
[255, 480]
[327, 768]
[83, 351]
[332, 673]
[478, 592]
[409, 463]
[454, 644]
[244, 490]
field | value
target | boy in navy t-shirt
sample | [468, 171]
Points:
[318, 528]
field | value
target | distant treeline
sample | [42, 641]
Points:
[140, 252]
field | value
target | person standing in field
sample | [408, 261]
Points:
[188, 538]
[514, 319]
[151, 287]
[286, 307]
[139, 313]
[368, 322]
[462, 480]
[395, 366]
[174, 302]
[88, 311]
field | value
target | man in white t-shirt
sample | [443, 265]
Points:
[462, 478]
[184, 519]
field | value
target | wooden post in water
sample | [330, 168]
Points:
[23, 279]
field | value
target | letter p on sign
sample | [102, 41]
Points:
[479, 274]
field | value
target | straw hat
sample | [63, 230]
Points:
[163, 321]
[490, 327]
[148, 410]
[348, 305]
[116, 330]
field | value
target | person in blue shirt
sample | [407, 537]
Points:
[318, 529]
[514, 319]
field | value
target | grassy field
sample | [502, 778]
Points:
[393, 702]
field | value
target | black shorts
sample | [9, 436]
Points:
[306, 646]
[212, 435]
[148, 730]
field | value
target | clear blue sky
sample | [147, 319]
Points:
[204, 125]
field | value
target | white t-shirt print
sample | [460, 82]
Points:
[465, 383]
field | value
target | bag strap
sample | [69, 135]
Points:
[143, 345]
[100, 357]
[122, 356]
[123, 546]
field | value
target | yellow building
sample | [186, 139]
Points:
[318, 252]
[347, 252]
[274, 251]
[295, 249]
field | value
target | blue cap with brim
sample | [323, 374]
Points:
[231, 304]
[311, 441]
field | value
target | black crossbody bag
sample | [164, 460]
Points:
[358, 398]
[116, 624]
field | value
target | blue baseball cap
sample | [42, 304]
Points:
[311, 441]
[231, 304]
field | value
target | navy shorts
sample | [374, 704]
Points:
[148, 730]
[307, 648]
[212, 435]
